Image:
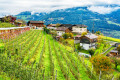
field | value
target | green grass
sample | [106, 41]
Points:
[5, 25]
[109, 50]
[110, 39]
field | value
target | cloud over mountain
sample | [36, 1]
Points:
[17, 6]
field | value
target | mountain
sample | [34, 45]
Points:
[109, 24]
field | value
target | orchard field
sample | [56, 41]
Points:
[35, 55]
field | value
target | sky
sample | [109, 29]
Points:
[13, 7]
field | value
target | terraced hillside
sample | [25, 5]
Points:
[35, 55]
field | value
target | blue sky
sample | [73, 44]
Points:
[14, 7]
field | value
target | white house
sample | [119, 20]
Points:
[79, 28]
[62, 30]
[51, 26]
[88, 41]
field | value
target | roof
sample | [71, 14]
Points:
[91, 36]
[51, 25]
[36, 22]
[80, 25]
[115, 51]
[66, 25]
[61, 29]
[117, 44]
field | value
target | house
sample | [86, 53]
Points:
[116, 44]
[18, 24]
[114, 52]
[79, 28]
[69, 26]
[62, 30]
[77, 39]
[88, 41]
[51, 26]
[38, 24]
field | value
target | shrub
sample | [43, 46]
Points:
[91, 51]
[84, 33]
[78, 47]
[101, 63]
[46, 30]
[65, 36]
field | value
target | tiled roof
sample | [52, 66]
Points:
[53, 25]
[80, 25]
[61, 29]
[36, 21]
[66, 25]
[115, 51]
[91, 36]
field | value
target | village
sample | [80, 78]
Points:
[86, 43]
[78, 33]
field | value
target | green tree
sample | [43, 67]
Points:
[98, 32]
[116, 61]
[6, 19]
[91, 51]
[57, 25]
[65, 36]
[46, 30]
[84, 33]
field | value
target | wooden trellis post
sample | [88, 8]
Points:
[56, 75]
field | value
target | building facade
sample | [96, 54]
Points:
[79, 29]
[88, 41]
[51, 26]
[38, 24]
[62, 30]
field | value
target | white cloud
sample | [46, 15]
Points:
[17, 6]
[102, 9]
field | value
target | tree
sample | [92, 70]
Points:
[57, 25]
[118, 48]
[70, 35]
[6, 19]
[23, 23]
[46, 30]
[78, 47]
[98, 32]
[91, 51]
[65, 36]
[101, 63]
[84, 33]
[116, 61]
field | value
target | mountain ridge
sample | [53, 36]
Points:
[78, 15]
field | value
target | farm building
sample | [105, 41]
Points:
[116, 44]
[18, 24]
[114, 52]
[69, 26]
[77, 39]
[51, 26]
[88, 41]
[62, 30]
[38, 24]
[79, 28]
